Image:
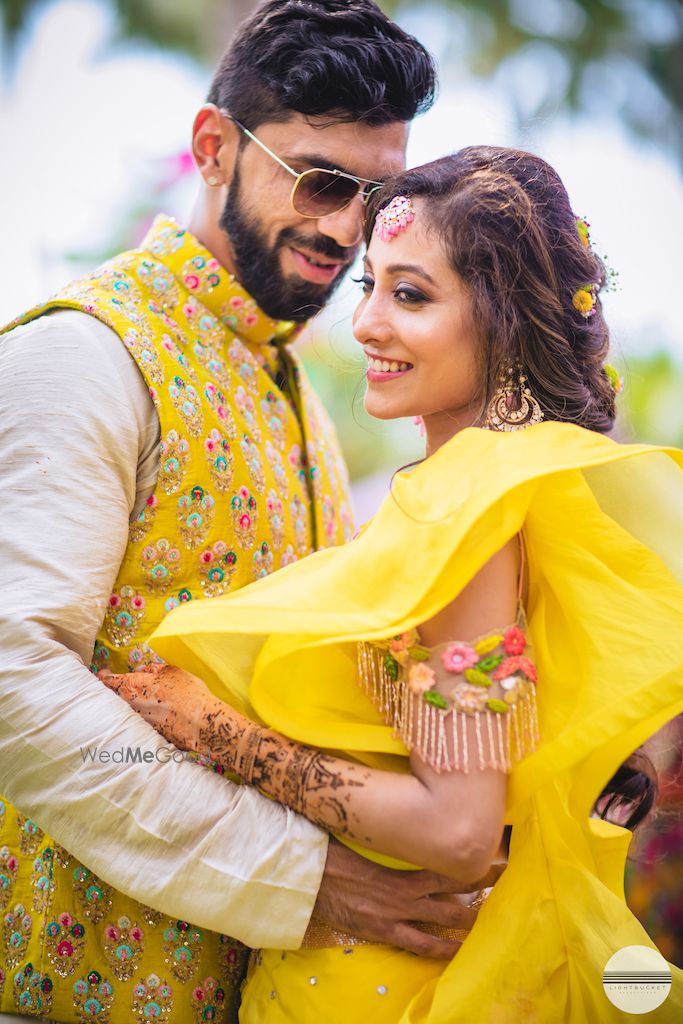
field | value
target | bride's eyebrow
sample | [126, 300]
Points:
[402, 268]
[410, 268]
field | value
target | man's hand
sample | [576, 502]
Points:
[360, 897]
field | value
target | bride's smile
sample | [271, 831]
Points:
[416, 327]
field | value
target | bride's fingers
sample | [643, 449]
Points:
[131, 686]
[110, 680]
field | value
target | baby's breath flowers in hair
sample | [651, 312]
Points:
[585, 297]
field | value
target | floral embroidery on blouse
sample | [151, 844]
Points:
[429, 695]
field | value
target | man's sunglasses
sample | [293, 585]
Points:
[317, 192]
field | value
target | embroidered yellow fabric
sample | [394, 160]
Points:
[251, 478]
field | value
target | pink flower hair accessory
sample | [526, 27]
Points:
[394, 218]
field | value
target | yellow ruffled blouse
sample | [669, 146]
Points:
[601, 526]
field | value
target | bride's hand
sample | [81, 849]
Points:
[173, 701]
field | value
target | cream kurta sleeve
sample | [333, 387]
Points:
[78, 453]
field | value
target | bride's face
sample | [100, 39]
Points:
[416, 328]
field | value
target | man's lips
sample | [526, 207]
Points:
[317, 269]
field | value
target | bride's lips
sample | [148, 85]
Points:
[386, 369]
[324, 273]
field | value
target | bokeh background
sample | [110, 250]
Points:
[97, 99]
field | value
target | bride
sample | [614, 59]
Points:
[489, 649]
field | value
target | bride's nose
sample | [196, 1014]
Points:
[370, 322]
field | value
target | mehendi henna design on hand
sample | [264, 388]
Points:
[306, 780]
[310, 782]
[395, 813]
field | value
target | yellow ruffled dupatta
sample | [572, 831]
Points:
[602, 525]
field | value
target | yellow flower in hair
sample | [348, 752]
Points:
[614, 377]
[582, 227]
[582, 301]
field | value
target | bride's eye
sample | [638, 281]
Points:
[406, 295]
[366, 283]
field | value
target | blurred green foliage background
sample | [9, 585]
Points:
[587, 37]
[623, 58]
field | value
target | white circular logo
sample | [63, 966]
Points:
[636, 979]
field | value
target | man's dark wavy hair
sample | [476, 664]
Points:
[342, 58]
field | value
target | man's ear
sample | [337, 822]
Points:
[215, 142]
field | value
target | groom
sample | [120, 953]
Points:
[161, 444]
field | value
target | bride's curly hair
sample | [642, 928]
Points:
[504, 219]
[506, 225]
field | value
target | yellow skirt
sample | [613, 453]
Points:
[343, 985]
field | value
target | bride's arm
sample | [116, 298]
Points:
[448, 821]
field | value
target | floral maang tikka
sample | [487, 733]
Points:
[394, 218]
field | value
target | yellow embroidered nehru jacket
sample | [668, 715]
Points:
[250, 479]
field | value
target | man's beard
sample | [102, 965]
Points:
[258, 269]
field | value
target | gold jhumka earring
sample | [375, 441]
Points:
[513, 407]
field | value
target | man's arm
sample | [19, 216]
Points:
[74, 420]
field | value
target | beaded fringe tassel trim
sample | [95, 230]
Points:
[439, 735]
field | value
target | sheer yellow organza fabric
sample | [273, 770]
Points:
[602, 527]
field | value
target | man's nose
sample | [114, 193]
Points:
[345, 226]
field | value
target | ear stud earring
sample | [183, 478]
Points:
[212, 180]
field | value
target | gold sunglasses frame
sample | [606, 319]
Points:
[300, 175]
